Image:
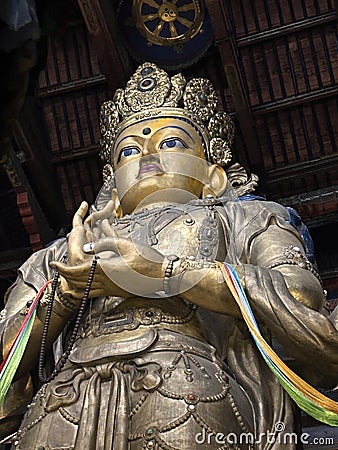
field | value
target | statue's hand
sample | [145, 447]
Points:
[94, 227]
[76, 239]
[135, 267]
[124, 268]
[83, 231]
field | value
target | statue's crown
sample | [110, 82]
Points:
[151, 92]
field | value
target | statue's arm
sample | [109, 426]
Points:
[20, 296]
[32, 276]
[269, 248]
[287, 298]
[282, 250]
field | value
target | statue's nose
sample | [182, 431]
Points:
[148, 148]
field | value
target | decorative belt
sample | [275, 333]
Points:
[131, 319]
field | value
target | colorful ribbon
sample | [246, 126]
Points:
[307, 397]
[11, 362]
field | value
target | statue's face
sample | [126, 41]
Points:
[159, 160]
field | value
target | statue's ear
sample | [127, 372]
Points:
[217, 181]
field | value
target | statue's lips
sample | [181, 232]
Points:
[145, 168]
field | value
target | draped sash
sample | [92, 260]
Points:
[104, 394]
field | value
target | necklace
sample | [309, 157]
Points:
[150, 221]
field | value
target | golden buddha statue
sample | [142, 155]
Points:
[160, 357]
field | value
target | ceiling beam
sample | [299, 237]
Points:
[227, 48]
[100, 19]
[293, 27]
[294, 171]
[296, 100]
[71, 86]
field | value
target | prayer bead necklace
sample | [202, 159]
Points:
[62, 361]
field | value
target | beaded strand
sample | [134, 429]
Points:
[62, 361]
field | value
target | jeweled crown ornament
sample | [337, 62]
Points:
[151, 92]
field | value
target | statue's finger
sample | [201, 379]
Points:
[77, 270]
[106, 244]
[57, 265]
[79, 215]
[96, 232]
[79, 285]
[104, 213]
[108, 210]
[107, 229]
[88, 235]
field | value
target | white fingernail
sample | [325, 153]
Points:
[88, 247]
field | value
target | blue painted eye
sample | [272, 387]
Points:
[172, 143]
[129, 151]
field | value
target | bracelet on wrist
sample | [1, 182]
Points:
[189, 263]
[175, 268]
